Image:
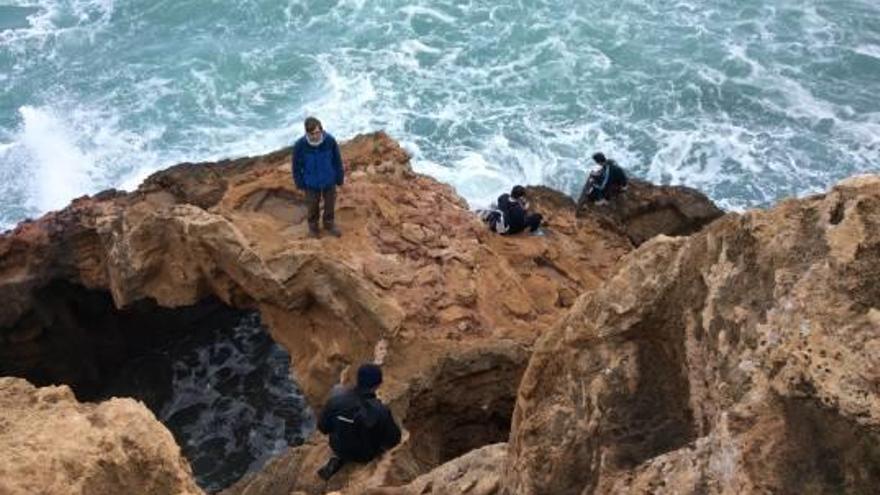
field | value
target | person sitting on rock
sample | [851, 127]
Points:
[511, 215]
[360, 427]
[514, 208]
[605, 181]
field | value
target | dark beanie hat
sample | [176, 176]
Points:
[369, 376]
[518, 191]
[599, 158]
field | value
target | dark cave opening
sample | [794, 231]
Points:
[467, 406]
[211, 373]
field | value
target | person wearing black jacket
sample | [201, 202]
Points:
[604, 182]
[514, 209]
[360, 427]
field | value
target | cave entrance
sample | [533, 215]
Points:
[211, 373]
[469, 404]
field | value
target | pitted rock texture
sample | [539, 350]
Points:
[741, 359]
[476, 473]
[416, 282]
[414, 264]
[51, 444]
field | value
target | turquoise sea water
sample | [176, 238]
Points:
[748, 100]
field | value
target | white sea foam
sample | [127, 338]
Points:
[484, 95]
[55, 18]
[213, 402]
[60, 170]
[868, 50]
[344, 100]
[420, 10]
[60, 153]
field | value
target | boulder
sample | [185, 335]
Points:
[52, 444]
[741, 359]
[646, 210]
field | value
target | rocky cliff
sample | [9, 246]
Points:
[741, 359]
[416, 282]
[52, 445]
[623, 369]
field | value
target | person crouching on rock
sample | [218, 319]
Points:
[605, 181]
[317, 170]
[514, 208]
[360, 427]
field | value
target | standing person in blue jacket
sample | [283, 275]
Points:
[317, 169]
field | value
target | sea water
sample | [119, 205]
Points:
[748, 100]
[233, 404]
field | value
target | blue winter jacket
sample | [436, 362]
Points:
[317, 167]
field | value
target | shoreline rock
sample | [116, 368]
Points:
[52, 444]
[740, 359]
[416, 282]
[622, 368]
[647, 210]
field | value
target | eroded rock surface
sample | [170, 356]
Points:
[742, 359]
[416, 282]
[52, 444]
[476, 473]
[646, 210]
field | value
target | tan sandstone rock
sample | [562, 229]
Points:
[742, 359]
[51, 444]
[476, 473]
[452, 309]
[646, 210]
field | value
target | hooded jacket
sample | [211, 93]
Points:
[376, 431]
[317, 167]
[514, 213]
[610, 177]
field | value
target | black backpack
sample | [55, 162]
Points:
[354, 433]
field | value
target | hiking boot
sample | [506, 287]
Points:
[314, 233]
[602, 202]
[333, 230]
[328, 470]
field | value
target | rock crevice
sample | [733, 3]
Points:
[736, 344]
[416, 282]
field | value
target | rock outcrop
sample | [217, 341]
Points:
[51, 444]
[476, 473]
[646, 210]
[741, 359]
[416, 282]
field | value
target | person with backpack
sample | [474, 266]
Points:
[317, 168]
[605, 181]
[360, 427]
[513, 214]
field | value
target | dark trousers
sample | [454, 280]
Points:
[595, 194]
[313, 201]
[533, 221]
